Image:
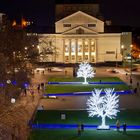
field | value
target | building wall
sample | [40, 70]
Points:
[109, 48]
[79, 19]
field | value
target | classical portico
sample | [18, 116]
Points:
[79, 49]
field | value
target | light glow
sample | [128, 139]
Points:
[85, 70]
[103, 105]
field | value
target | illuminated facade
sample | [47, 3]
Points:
[80, 37]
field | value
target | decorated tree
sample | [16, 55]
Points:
[85, 70]
[103, 105]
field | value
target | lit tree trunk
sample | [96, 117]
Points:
[103, 121]
[85, 80]
[103, 125]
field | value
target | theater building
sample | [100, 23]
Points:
[80, 37]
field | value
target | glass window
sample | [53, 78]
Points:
[66, 25]
[110, 52]
[66, 48]
[73, 57]
[66, 58]
[91, 25]
[86, 48]
[79, 58]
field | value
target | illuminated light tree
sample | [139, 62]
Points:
[85, 70]
[103, 105]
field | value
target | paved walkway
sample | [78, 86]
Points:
[14, 118]
[79, 102]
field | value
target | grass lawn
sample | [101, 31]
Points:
[66, 88]
[131, 117]
[71, 134]
[95, 79]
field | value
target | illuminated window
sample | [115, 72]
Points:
[66, 58]
[86, 48]
[73, 57]
[92, 58]
[79, 58]
[86, 57]
[92, 48]
[66, 48]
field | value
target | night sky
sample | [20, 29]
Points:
[121, 12]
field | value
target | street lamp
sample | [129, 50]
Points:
[122, 47]
[131, 60]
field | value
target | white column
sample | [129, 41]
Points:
[76, 51]
[89, 50]
[69, 50]
[63, 50]
[96, 50]
[83, 52]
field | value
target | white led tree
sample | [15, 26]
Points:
[85, 70]
[103, 105]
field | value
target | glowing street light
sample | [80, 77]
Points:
[122, 47]
[131, 60]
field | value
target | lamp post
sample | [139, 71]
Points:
[122, 47]
[131, 61]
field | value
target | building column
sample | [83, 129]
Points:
[69, 50]
[89, 50]
[96, 50]
[76, 51]
[63, 50]
[83, 52]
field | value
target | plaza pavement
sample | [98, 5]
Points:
[79, 102]
[15, 117]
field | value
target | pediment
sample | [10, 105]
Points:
[79, 30]
[79, 17]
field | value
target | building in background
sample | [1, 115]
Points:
[80, 37]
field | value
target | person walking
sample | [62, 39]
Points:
[124, 128]
[79, 130]
[82, 127]
[118, 125]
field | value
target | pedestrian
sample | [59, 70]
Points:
[126, 74]
[79, 130]
[131, 81]
[135, 90]
[25, 92]
[137, 84]
[38, 88]
[82, 127]
[124, 128]
[32, 94]
[118, 125]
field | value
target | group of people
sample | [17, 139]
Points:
[123, 126]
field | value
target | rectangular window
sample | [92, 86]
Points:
[91, 25]
[110, 52]
[79, 58]
[66, 58]
[66, 25]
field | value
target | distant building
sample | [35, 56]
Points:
[81, 37]
[2, 18]
[63, 10]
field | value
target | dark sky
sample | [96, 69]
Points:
[122, 12]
